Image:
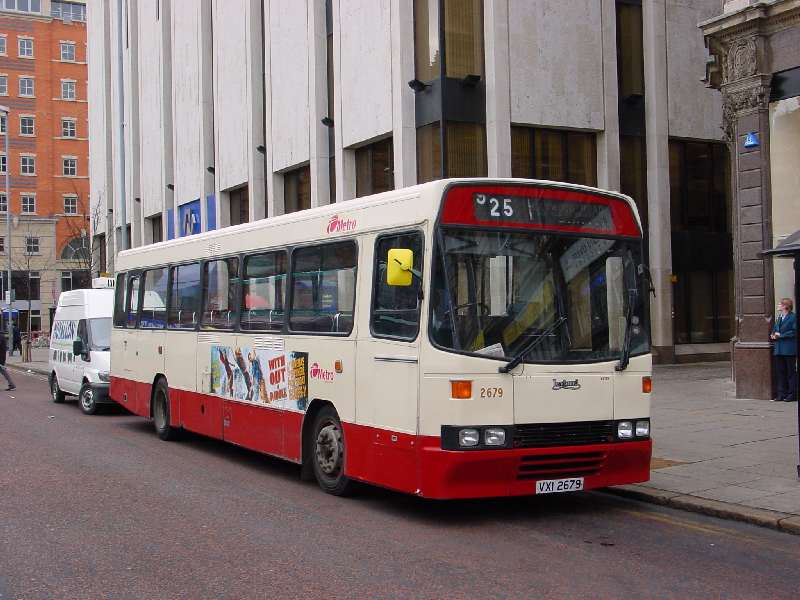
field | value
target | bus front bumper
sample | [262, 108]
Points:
[450, 474]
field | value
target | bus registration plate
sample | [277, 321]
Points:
[552, 486]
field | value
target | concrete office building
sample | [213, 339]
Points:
[242, 109]
[755, 48]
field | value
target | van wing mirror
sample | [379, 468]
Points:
[78, 349]
[399, 267]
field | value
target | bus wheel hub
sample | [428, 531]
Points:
[329, 449]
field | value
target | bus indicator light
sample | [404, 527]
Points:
[461, 390]
[647, 385]
[337, 366]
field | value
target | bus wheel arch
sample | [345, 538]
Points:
[160, 409]
[324, 449]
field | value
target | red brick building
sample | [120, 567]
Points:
[43, 77]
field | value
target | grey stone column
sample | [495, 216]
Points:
[746, 103]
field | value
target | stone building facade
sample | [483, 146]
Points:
[755, 50]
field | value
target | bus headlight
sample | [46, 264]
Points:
[469, 437]
[642, 428]
[494, 437]
[625, 430]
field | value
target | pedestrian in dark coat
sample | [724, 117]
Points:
[17, 341]
[3, 370]
[784, 336]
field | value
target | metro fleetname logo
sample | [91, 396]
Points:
[566, 384]
[339, 225]
[317, 372]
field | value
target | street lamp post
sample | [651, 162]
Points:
[5, 111]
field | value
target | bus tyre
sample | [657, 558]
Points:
[86, 400]
[56, 395]
[328, 453]
[161, 420]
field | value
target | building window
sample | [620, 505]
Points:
[26, 87]
[70, 167]
[32, 245]
[374, 168]
[630, 50]
[702, 246]
[69, 128]
[25, 47]
[463, 35]
[76, 249]
[239, 205]
[297, 190]
[26, 284]
[3, 163]
[75, 280]
[27, 126]
[553, 154]
[3, 48]
[67, 90]
[3, 85]
[3, 203]
[67, 51]
[68, 10]
[2, 245]
[99, 252]
[28, 202]
[27, 165]
[70, 205]
[466, 151]
[426, 39]
[429, 153]
[2, 124]
[26, 6]
[156, 228]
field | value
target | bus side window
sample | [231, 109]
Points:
[184, 305]
[263, 288]
[220, 279]
[119, 301]
[132, 302]
[395, 309]
[324, 288]
[154, 299]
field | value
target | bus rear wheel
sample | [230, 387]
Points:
[161, 419]
[328, 453]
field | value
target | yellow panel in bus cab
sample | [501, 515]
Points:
[399, 264]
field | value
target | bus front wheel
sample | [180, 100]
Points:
[161, 420]
[328, 453]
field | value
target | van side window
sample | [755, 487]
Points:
[324, 288]
[132, 301]
[395, 309]
[154, 299]
[119, 301]
[184, 304]
[263, 288]
[220, 279]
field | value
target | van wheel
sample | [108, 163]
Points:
[87, 400]
[161, 420]
[328, 453]
[55, 392]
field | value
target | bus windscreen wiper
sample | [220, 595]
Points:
[624, 358]
[535, 342]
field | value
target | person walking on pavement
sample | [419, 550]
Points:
[3, 369]
[785, 351]
[17, 345]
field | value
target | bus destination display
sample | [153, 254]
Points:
[548, 212]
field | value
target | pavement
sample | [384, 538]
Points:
[713, 453]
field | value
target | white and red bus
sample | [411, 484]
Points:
[457, 339]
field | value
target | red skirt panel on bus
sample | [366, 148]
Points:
[400, 461]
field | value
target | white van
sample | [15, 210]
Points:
[80, 345]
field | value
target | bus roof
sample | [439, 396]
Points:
[327, 222]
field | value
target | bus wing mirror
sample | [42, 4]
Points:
[399, 264]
